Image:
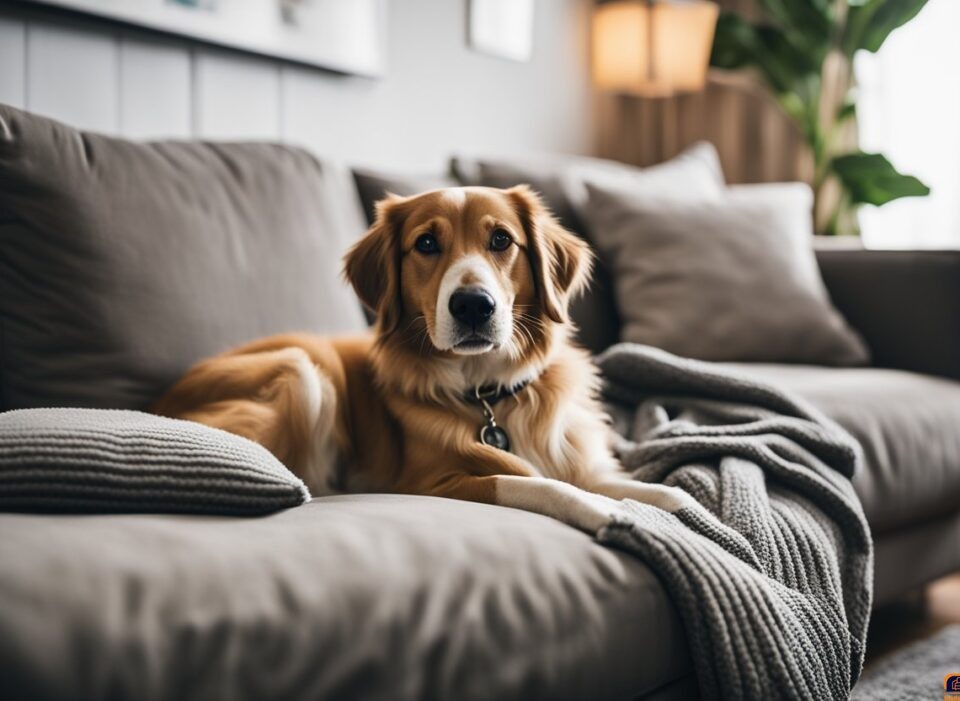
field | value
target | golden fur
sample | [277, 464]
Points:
[386, 412]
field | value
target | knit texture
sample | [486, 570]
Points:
[772, 571]
[126, 461]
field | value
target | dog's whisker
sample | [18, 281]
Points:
[526, 336]
[417, 333]
[409, 334]
[531, 318]
[527, 325]
[424, 337]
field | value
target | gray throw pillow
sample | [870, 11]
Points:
[97, 460]
[123, 263]
[560, 180]
[728, 280]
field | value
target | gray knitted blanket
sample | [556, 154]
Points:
[773, 575]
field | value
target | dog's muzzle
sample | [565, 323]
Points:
[473, 315]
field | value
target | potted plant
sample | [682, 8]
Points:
[803, 50]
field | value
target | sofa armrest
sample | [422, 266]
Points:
[906, 305]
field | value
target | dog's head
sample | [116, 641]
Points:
[479, 267]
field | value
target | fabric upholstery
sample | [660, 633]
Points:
[122, 263]
[908, 427]
[373, 186]
[371, 596]
[908, 558]
[103, 460]
[906, 304]
[732, 279]
[693, 175]
[560, 180]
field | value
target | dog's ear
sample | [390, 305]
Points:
[561, 261]
[372, 266]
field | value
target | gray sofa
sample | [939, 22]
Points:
[903, 410]
[385, 596]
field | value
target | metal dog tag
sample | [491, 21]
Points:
[491, 434]
[494, 436]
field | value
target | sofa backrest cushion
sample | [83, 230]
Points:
[373, 186]
[123, 263]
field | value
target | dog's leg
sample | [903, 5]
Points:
[660, 495]
[231, 376]
[321, 469]
[515, 487]
[277, 398]
[576, 507]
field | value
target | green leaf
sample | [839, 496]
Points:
[870, 23]
[735, 43]
[809, 20]
[787, 67]
[847, 110]
[871, 179]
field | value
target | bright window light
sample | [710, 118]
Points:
[909, 110]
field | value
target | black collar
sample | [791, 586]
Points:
[491, 394]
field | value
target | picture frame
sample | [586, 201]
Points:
[337, 35]
[502, 28]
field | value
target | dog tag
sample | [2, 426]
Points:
[495, 437]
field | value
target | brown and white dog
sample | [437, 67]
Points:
[468, 388]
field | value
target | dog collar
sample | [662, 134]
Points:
[490, 433]
[491, 394]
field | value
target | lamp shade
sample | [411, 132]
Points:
[642, 47]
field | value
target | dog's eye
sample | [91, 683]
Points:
[427, 243]
[500, 240]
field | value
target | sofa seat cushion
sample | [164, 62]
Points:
[367, 596]
[908, 425]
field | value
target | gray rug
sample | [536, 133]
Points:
[916, 672]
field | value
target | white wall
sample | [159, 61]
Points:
[437, 97]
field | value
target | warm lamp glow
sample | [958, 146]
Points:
[653, 48]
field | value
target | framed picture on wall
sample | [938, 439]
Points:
[502, 28]
[341, 35]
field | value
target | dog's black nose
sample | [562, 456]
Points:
[471, 306]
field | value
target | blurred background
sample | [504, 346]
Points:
[402, 84]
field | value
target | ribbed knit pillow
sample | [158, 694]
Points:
[97, 460]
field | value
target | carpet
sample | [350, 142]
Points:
[916, 672]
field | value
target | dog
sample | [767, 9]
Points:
[469, 387]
